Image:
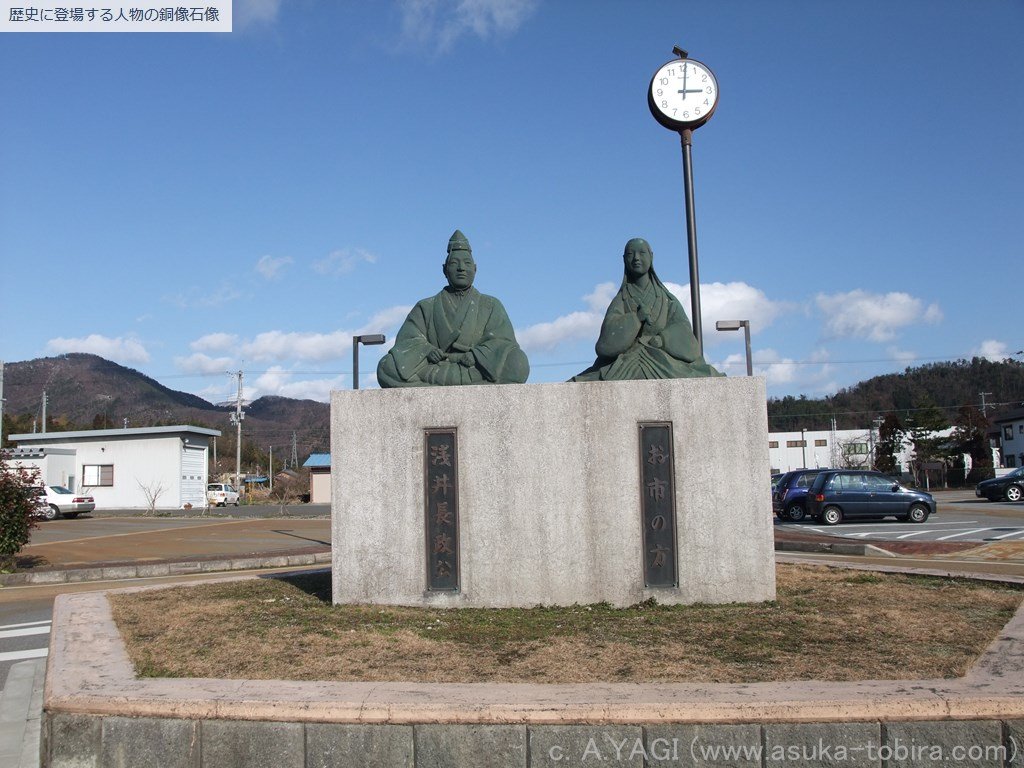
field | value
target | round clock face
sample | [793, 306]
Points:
[683, 94]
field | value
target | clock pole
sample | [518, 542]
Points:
[686, 139]
[682, 97]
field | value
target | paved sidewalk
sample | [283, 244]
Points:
[111, 548]
[21, 705]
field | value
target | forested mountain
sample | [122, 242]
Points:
[89, 392]
[86, 392]
[947, 386]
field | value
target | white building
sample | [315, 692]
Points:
[811, 449]
[138, 468]
[1011, 438]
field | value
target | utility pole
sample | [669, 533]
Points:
[983, 407]
[236, 419]
[270, 474]
[295, 451]
[1, 403]
[44, 411]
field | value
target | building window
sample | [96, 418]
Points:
[1011, 460]
[796, 443]
[773, 443]
[820, 443]
[96, 475]
[1020, 429]
[1008, 432]
[855, 449]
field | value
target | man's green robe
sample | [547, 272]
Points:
[455, 322]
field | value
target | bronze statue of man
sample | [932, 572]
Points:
[459, 336]
[645, 333]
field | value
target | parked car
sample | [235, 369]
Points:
[221, 494]
[57, 501]
[838, 494]
[789, 500]
[1009, 487]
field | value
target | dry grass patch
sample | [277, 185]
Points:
[827, 624]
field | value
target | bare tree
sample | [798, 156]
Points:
[152, 492]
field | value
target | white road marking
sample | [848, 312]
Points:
[24, 632]
[964, 533]
[913, 533]
[32, 653]
[26, 624]
[1017, 532]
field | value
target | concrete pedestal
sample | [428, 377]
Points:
[550, 492]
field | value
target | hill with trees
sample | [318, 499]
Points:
[946, 386]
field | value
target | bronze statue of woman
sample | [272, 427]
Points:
[645, 333]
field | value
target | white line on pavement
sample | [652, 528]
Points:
[24, 632]
[912, 533]
[963, 533]
[32, 653]
[26, 624]
[1017, 532]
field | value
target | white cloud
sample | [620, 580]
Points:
[873, 316]
[296, 345]
[270, 266]
[440, 23]
[215, 342]
[902, 356]
[204, 364]
[121, 349]
[279, 381]
[730, 301]
[343, 261]
[203, 297]
[993, 350]
[719, 301]
[246, 12]
[767, 362]
[387, 319]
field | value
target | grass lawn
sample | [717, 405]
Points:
[827, 624]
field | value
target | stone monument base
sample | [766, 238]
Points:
[551, 494]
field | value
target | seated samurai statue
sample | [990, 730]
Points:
[645, 333]
[459, 336]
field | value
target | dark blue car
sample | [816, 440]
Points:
[1009, 487]
[789, 498]
[838, 494]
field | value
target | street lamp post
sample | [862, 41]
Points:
[735, 325]
[371, 338]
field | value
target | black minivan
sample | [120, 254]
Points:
[837, 494]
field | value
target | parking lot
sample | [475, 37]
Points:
[961, 517]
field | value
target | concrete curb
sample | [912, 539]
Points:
[96, 709]
[153, 570]
[834, 548]
[21, 709]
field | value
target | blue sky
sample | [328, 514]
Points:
[190, 204]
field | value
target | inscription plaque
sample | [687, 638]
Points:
[658, 504]
[441, 488]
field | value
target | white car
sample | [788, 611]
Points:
[57, 501]
[221, 494]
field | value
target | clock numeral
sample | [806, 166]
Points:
[674, 112]
[704, 79]
[706, 103]
[663, 80]
[661, 92]
[696, 110]
[686, 114]
[664, 104]
[709, 89]
[671, 72]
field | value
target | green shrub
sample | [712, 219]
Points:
[17, 503]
